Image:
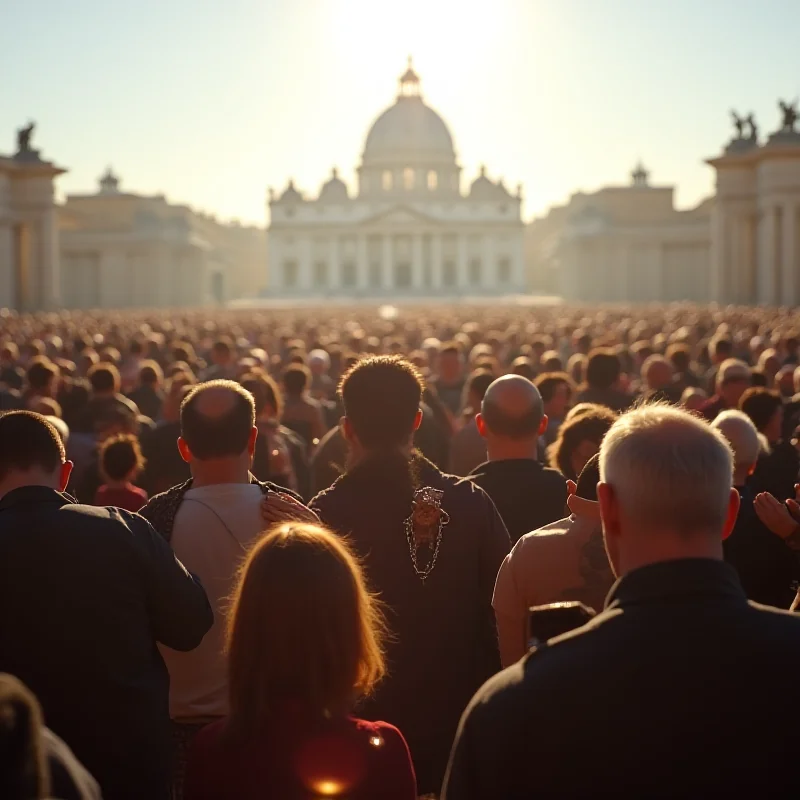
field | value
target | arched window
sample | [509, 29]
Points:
[408, 179]
[433, 181]
[386, 180]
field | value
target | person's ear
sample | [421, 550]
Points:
[572, 488]
[347, 429]
[733, 512]
[609, 508]
[251, 441]
[418, 419]
[64, 476]
[481, 423]
[543, 425]
[752, 469]
[183, 449]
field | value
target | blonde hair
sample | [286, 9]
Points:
[302, 627]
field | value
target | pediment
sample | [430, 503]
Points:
[401, 215]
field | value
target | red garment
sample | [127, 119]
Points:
[294, 760]
[130, 497]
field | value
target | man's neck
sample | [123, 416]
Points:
[512, 451]
[213, 473]
[357, 455]
[21, 480]
[668, 548]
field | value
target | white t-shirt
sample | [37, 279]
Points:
[214, 528]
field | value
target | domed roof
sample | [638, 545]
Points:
[335, 189]
[409, 131]
[290, 194]
[485, 189]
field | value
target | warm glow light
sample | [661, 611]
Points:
[328, 788]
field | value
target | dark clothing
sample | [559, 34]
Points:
[73, 395]
[264, 470]
[610, 398]
[13, 377]
[678, 689]
[329, 460]
[100, 411]
[148, 400]
[85, 594]
[450, 394]
[129, 497]
[527, 495]
[444, 641]
[282, 762]
[712, 408]
[768, 568]
[165, 467]
[776, 472]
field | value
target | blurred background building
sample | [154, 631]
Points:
[408, 230]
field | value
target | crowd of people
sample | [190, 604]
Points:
[252, 554]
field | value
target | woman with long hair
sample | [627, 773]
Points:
[304, 644]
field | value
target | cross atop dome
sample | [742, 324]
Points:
[640, 176]
[409, 82]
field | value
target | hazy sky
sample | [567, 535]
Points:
[211, 101]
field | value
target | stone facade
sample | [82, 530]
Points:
[409, 230]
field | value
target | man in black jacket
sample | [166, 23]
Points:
[432, 546]
[681, 687]
[85, 594]
[527, 495]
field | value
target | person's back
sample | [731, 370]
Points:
[672, 690]
[527, 495]
[431, 546]
[84, 594]
[289, 733]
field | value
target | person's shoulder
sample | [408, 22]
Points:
[552, 477]
[776, 619]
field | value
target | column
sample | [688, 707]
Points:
[416, 262]
[50, 287]
[462, 267]
[436, 257]
[361, 263]
[334, 266]
[306, 277]
[518, 271]
[386, 262]
[788, 289]
[7, 266]
[717, 283]
[488, 266]
[766, 256]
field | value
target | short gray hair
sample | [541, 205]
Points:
[741, 434]
[668, 467]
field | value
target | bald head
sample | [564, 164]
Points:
[513, 408]
[217, 420]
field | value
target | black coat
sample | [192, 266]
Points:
[444, 637]
[681, 688]
[527, 495]
[85, 594]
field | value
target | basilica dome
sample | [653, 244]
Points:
[409, 132]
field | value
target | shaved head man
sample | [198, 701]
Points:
[512, 419]
[210, 521]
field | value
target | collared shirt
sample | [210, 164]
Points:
[85, 593]
[679, 688]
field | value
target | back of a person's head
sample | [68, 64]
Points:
[150, 373]
[720, 348]
[104, 378]
[381, 397]
[265, 391]
[29, 442]
[741, 435]
[24, 772]
[603, 369]
[523, 366]
[302, 625]
[732, 369]
[512, 408]
[41, 371]
[680, 356]
[120, 456]
[548, 382]
[477, 384]
[296, 378]
[669, 470]
[590, 424]
[217, 420]
[760, 405]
